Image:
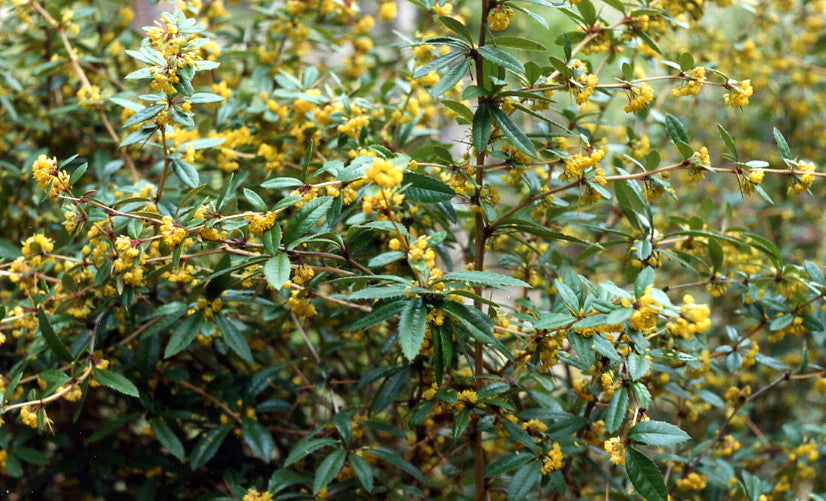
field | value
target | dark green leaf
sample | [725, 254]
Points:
[501, 58]
[277, 270]
[363, 471]
[233, 337]
[514, 134]
[424, 188]
[116, 382]
[302, 449]
[306, 217]
[208, 445]
[412, 324]
[183, 336]
[54, 343]
[657, 433]
[645, 476]
[675, 129]
[258, 438]
[168, 439]
[395, 459]
[615, 413]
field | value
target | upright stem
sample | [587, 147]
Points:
[165, 172]
[479, 261]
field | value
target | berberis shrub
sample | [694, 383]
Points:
[518, 249]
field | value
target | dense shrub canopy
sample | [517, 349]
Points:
[526, 249]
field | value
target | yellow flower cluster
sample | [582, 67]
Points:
[576, 165]
[588, 82]
[44, 171]
[36, 246]
[692, 482]
[385, 174]
[805, 180]
[299, 305]
[171, 232]
[419, 251]
[260, 222]
[694, 318]
[303, 274]
[699, 161]
[387, 10]
[553, 461]
[381, 202]
[644, 318]
[615, 449]
[693, 83]
[89, 95]
[254, 495]
[500, 17]
[639, 97]
[176, 50]
[739, 94]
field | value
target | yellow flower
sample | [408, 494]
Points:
[692, 84]
[254, 495]
[640, 96]
[553, 461]
[385, 174]
[615, 449]
[739, 94]
[500, 17]
[692, 482]
[260, 222]
[693, 319]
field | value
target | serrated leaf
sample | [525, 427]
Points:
[54, 343]
[183, 336]
[208, 446]
[395, 459]
[450, 78]
[657, 433]
[306, 217]
[457, 27]
[412, 324]
[424, 188]
[523, 480]
[514, 134]
[144, 114]
[233, 337]
[615, 413]
[638, 366]
[168, 439]
[277, 270]
[645, 476]
[258, 438]
[483, 278]
[363, 471]
[302, 449]
[501, 58]
[116, 382]
[482, 123]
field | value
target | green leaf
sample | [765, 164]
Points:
[638, 366]
[144, 114]
[449, 79]
[645, 476]
[277, 270]
[54, 343]
[116, 382]
[506, 464]
[208, 445]
[615, 413]
[412, 324]
[255, 200]
[204, 97]
[475, 323]
[520, 43]
[426, 189]
[436, 64]
[377, 316]
[183, 336]
[715, 252]
[514, 134]
[233, 337]
[258, 438]
[186, 172]
[520, 435]
[675, 129]
[202, 143]
[728, 140]
[390, 390]
[395, 459]
[481, 127]
[363, 471]
[501, 58]
[459, 109]
[524, 479]
[483, 278]
[782, 145]
[306, 217]
[168, 439]
[304, 448]
[282, 182]
[657, 433]
[457, 27]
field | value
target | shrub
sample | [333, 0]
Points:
[537, 249]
